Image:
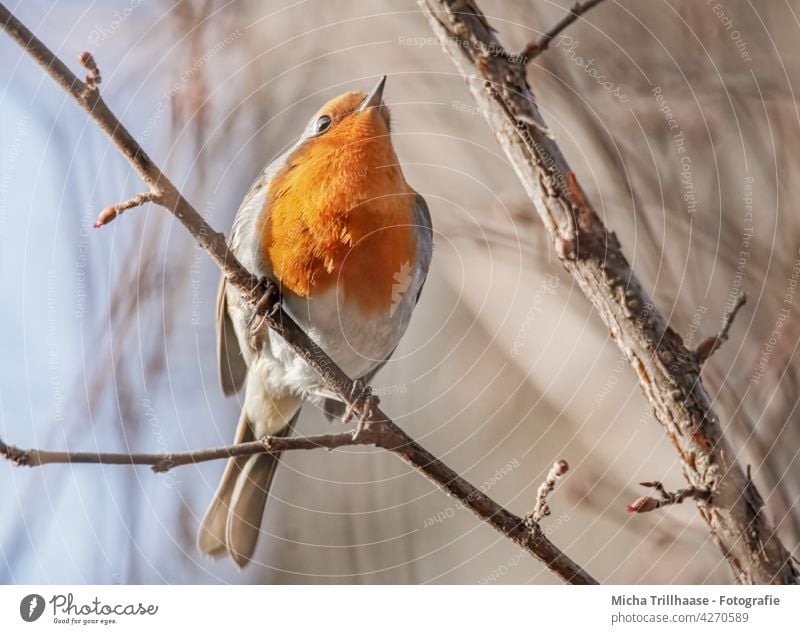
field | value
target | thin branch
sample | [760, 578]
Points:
[537, 47]
[261, 295]
[386, 436]
[163, 462]
[710, 345]
[668, 373]
[542, 509]
[645, 504]
[112, 211]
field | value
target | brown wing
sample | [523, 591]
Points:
[232, 368]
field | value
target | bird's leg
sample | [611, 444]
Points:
[269, 298]
[361, 398]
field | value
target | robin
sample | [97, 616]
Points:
[334, 224]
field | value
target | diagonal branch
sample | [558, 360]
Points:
[386, 434]
[667, 372]
[537, 47]
[710, 345]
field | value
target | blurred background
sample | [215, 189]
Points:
[681, 122]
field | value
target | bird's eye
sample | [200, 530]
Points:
[323, 123]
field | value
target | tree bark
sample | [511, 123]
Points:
[668, 373]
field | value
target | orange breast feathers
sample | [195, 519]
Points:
[340, 212]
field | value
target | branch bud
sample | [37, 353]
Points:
[644, 504]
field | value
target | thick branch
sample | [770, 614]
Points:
[378, 427]
[667, 371]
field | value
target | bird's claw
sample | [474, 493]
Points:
[361, 398]
[268, 302]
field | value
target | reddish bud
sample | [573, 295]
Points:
[531, 49]
[706, 348]
[560, 467]
[107, 215]
[644, 504]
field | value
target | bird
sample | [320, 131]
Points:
[348, 242]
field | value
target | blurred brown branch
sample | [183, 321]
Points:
[668, 373]
[377, 428]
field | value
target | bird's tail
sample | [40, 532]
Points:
[233, 521]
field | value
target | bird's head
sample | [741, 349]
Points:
[345, 148]
[350, 118]
[344, 159]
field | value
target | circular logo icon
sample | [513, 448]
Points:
[31, 607]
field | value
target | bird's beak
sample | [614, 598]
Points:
[374, 96]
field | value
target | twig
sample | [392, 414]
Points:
[710, 345]
[536, 47]
[542, 509]
[377, 425]
[93, 78]
[112, 211]
[645, 504]
[667, 372]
